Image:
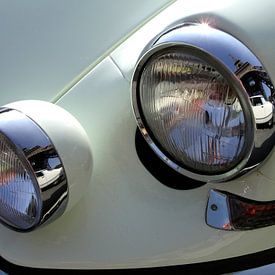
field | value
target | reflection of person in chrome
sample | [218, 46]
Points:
[223, 130]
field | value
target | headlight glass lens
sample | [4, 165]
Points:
[33, 183]
[18, 197]
[191, 112]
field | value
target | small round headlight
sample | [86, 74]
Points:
[39, 141]
[33, 183]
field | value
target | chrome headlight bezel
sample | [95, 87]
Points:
[34, 149]
[207, 44]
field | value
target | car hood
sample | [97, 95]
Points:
[47, 46]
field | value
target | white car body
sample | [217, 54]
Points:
[81, 56]
[262, 109]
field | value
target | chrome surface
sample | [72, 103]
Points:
[210, 130]
[228, 211]
[217, 211]
[37, 152]
[243, 71]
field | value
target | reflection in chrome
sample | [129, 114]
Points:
[46, 178]
[217, 212]
[33, 185]
[263, 110]
[227, 211]
[176, 74]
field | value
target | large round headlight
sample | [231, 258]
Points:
[192, 111]
[34, 187]
[190, 104]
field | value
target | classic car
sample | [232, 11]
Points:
[128, 138]
[262, 109]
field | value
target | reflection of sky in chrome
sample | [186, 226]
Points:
[53, 162]
[27, 139]
[267, 91]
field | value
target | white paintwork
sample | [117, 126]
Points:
[69, 139]
[46, 45]
[181, 11]
[127, 218]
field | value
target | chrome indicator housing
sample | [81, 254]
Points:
[204, 103]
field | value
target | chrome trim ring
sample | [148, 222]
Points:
[35, 149]
[239, 66]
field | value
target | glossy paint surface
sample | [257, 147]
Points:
[46, 45]
[127, 218]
